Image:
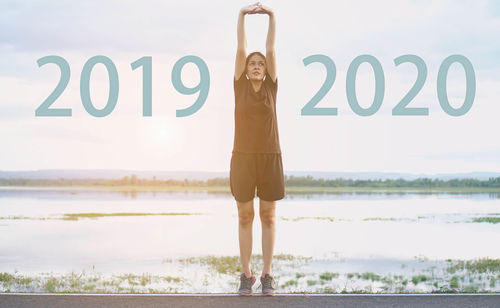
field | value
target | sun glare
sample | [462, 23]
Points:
[160, 132]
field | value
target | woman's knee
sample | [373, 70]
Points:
[267, 212]
[245, 212]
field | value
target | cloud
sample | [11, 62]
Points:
[168, 30]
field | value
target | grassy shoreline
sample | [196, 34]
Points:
[219, 275]
[289, 189]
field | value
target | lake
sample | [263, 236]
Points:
[78, 240]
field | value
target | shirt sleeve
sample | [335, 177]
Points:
[237, 84]
[271, 85]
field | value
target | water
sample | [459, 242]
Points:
[351, 232]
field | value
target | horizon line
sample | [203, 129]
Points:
[227, 171]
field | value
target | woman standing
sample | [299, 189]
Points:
[256, 159]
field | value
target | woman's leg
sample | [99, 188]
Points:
[268, 218]
[245, 218]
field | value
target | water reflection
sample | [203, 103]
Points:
[98, 194]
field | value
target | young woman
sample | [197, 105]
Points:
[256, 160]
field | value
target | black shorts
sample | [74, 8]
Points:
[261, 171]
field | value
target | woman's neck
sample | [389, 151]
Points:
[256, 84]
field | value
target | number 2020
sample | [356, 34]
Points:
[146, 63]
[401, 108]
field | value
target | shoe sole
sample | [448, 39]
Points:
[267, 294]
[251, 292]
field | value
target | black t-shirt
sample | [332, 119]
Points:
[256, 125]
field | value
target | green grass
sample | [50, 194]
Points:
[76, 216]
[231, 264]
[469, 289]
[222, 265]
[481, 275]
[149, 283]
[52, 285]
[329, 290]
[484, 265]
[299, 275]
[328, 276]
[7, 278]
[370, 276]
[290, 283]
[493, 282]
[491, 220]
[419, 278]
[83, 283]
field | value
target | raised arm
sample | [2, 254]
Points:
[241, 51]
[271, 36]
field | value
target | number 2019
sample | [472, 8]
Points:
[146, 63]
[401, 108]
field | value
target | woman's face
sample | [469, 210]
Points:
[256, 68]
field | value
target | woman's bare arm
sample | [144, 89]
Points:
[241, 51]
[271, 36]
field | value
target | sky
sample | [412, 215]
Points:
[125, 31]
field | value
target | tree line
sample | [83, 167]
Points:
[290, 181]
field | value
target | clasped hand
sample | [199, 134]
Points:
[257, 8]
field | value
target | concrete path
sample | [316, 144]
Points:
[232, 300]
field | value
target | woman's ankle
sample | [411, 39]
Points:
[248, 273]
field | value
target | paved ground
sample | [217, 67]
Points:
[232, 300]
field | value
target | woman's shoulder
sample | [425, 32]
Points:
[273, 85]
[242, 77]
[240, 83]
